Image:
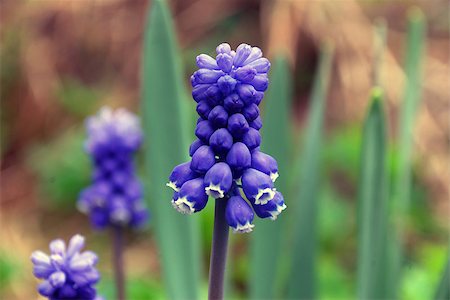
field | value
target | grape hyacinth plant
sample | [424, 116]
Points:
[67, 272]
[226, 162]
[115, 197]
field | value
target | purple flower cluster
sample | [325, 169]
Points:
[115, 196]
[225, 157]
[67, 272]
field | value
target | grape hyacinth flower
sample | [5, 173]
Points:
[226, 161]
[67, 272]
[114, 198]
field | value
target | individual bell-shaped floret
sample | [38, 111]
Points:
[221, 141]
[191, 198]
[203, 109]
[194, 146]
[257, 186]
[256, 123]
[239, 157]
[239, 214]
[218, 117]
[226, 84]
[265, 163]
[237, 125]
[204, 130]
[203, 159]
[272, 208]
[218, 180]
[251, 112]
[180, 175]
[247, 93]
[252, 138]
[233, 103]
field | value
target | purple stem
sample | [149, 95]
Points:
[218, 251]
[117, 237]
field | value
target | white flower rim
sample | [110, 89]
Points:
[214, 191]
[247, 227]
[183, 206]
[275, 213]
[261, 199]
[274, 176]
[173, 186]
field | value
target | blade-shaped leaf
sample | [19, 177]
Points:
[443, 290]
[372, 206]
[166, 146]
[305, 183]
[265, 247]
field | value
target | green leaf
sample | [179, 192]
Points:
[164, 114]
[302, 280]
[402, 184]
[372, 203]
[265, 249]
[443, 290]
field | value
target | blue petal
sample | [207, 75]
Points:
[221, 141]
[239, 156]
[237, 125]
[252, 138]
[257, 186]
[192, 197]
[251, 112]
[265, 163]
[242, 53]
[206, 61]
[225, 62]
[203, 159]
[226, 84]
[218, 117]
[233, 103]
[239, 215]
[194, 146]
[180, 175]
[204, 130]
[218, 180]
[203, 109]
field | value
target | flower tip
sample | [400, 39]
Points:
[246, 228]
[277, 212]
[173, 186]
[274, 176]
[214, 191]
[182, 205]
[264, 195]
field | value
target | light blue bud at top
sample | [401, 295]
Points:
[242, 53]
[194, 146]
[265, 163]
[237, 125]
[218, 117]
[218, 180]
[245, 74]
[225, 62]
[252, 138]
[257, 186]
[239, 215]
[256, 123]
[191, 198]
[203, 159]
[238, 158]
[261, 65]
[260, 82]
[221, 141]
[203, 130]
[223, 48]
[251, 112]
[203, 109]
[233, 103]
[247, 93]
[272, 208]
[206, 62]
[226, 84]
[203, 76]
[254, 55]
[180, 175]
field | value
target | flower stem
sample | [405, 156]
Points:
[117, 238]
[218, 251]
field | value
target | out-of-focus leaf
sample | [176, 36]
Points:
[302, 279]
[62, 167]
[372, 215]
[265, 250]
[137, 288]
[164, 114]
[402, 184]
[78, 98]
[443, 290]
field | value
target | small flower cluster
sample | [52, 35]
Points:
[226, 157]
[115, 196]
[68, 273]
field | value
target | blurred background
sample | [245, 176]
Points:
[62, 60]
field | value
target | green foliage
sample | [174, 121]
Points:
[8, 270]
[305, 197]
[163, 110]
[77, 98]
[443, 289]
[372, 203]
[265, 249]
[137, 288]
[62, 168]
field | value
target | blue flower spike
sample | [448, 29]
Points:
[115, 196]
[226, 161]
[68, 273]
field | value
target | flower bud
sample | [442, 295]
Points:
[205, 61]
[246, 92]
[256, 123]
[191, 198]
[257, 186]
[218, 180]
[226, 84]
[203, 130]
[194, 146]
[242, 53]
[199, 92]
[233, 103]
[245, 74]
[203, 109]
[238, 157]
[203, 159]
[221, 141]
[265, 163]
[272, 208]
[225, 62]
[260, 82]
[239, 215]
[180, 175]
[202, 76]
[252, 138]
[223, 48]
[213, 95]
[237, 125]
[218, 117]
[251, 112]
[254, 55]
[261, 65]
